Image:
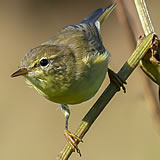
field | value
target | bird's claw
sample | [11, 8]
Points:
[117, 80]
[73, 140]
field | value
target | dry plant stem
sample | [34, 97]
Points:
[144, 16]
[107, 95]
[148, 28]
[128, 21]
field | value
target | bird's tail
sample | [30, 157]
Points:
[100, 15]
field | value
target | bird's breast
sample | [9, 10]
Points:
[84, 87]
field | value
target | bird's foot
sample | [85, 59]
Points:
[116, 79]
[72, 139]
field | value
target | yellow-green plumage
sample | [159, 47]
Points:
[75, 72]
[77, 62]
[69, 68]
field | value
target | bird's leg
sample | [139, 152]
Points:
[71, 138]
[117, 80]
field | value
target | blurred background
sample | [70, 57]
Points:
[31, 127]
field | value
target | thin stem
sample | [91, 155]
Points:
[144, 16]
[148, 28]
[108, 94]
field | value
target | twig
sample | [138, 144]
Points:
[148, 28]
[128, 17]
[108, 94]
[144, 16]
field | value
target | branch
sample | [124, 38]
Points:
[108, 94]
[151, 66]
[144, 16]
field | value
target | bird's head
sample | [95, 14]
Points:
[47, 65]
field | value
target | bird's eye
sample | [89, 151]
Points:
[44, 62]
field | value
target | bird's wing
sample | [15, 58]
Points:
[86, 33]
[90, 28]
[91, 35]
[83, 35]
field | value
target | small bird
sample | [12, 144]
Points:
[70, 68]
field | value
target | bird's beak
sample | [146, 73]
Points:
[20, 72]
